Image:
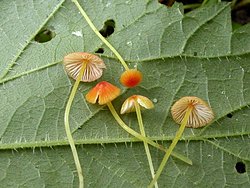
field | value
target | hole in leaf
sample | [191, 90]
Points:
[99, 51]
[240, 167]
[229, 115]
[241, 13]
[45, 35]
[188, 5]
[195, 53]
[169, 3]
[108, 28]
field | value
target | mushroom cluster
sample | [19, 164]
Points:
[86, 67]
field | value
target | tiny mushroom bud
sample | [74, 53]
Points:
[131, 78]
[129, 104]
[104, 92]
[201, 113]
[73, 63]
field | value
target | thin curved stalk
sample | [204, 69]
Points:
[140, 122]
[67, 127]
[143, 138]
[171, 147]
[92, 26]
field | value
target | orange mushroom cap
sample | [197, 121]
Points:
[131, 78]
[104, 92]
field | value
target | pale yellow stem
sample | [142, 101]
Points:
[143, 138]
[92, 26]
[171, 147]
[67, 127]
[140, 122]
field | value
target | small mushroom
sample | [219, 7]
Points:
[189, 112]
[131, 78]
[84, 67]
[129, 104]
[135, 103]
[201, 114]
[92, 64]
[103, 92]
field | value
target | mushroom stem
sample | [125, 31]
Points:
[140, 122]
[92, 26]
[172, 146]
[143, 138]
[67, 127]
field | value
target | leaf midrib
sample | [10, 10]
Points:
[5, 146]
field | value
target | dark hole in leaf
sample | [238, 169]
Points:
[169, 3]
[229, 115]
[79, 128]
[240, 167]
[241, 13]
[99, 51]
[195, 53]
[108, 28]
[193, 3]
[45, 35]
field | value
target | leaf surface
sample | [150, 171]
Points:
[196, 54]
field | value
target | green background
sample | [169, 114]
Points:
[196, 54]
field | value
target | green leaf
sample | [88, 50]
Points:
[179, 54]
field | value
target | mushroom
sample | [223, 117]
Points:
[134, 103]
[84, 67]
[189, 112]
[131, 78]
[90, 64]
[201, 114]
[103, 92]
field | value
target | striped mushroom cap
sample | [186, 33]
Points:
[73, 63]
[201, 113]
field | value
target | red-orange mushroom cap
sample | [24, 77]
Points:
[103, 92]
[131, 78]
[201, 114]
[73, 63]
